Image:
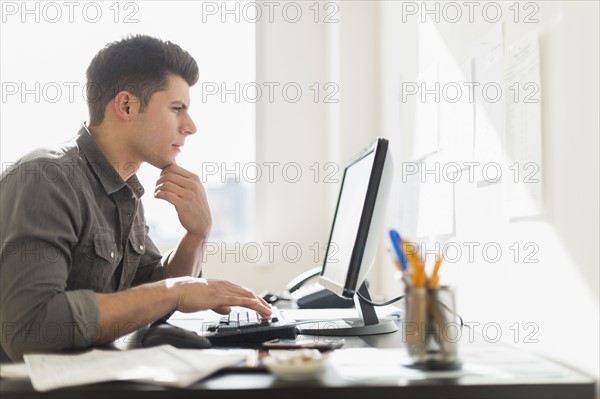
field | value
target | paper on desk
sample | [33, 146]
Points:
[498, 362]
[163, 365]
[371, 364]
[14, 370]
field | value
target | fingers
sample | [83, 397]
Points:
[182, 181]
[185, 191]
[168, 196]
[265, 303]
[223, 309]
[170, 187]
[182, 187]
[243, 291]
[181, 177]
[248, 299]
[250, 303]
[220, 296]
[178, 170]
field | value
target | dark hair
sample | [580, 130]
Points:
[139, 64]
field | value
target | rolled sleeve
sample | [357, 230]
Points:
[84, 309]
[37, 314]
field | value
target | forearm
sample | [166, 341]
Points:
[186, 258]
[123, 312]
[185, 191]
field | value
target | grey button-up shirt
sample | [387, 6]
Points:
[70, 226]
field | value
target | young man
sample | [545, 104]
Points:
[77, 265]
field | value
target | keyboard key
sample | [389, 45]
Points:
[244, 327]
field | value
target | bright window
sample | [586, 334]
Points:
[46, 48]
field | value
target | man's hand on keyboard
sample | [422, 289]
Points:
[219, 295]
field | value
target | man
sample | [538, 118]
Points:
[78, 267]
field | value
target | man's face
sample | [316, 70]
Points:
[160, 131]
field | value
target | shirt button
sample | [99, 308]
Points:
[112, 254]
[141, 247]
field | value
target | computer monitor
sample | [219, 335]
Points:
[354, 240]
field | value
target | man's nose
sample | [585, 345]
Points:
[189, 127]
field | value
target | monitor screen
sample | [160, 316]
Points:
[358, 219]
[355, 235]
[342, 249]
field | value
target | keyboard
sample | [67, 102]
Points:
[244, 327]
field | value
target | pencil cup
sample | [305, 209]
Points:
[431, 330]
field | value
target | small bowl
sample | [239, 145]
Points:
[296, 365]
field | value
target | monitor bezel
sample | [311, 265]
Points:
[351, 283]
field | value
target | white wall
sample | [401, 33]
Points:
[368, 53]
[343, 53]
[559, 294]
[291, 137]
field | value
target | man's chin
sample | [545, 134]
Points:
[163, 163]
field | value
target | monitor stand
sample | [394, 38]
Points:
[367, 324]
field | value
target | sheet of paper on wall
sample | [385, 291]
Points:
[457, 112]
[426, 140]
[436, 197]
[523, 187]
[410, 180]
[488, 150]
[163, 365]
[489, 49]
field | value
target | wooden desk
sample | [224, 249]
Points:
[257, 383]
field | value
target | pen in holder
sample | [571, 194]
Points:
[431, 331]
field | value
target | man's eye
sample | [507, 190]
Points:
[178, 108]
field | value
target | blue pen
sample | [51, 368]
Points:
[396, 240]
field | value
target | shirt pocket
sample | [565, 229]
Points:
[105, 248]
[95, 266]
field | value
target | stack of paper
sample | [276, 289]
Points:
[163, 365]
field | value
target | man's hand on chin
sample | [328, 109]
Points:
[185, 191]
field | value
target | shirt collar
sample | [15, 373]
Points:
[107, 175]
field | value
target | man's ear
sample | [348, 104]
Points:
[124, 105]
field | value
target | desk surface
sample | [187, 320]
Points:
[538, 378]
